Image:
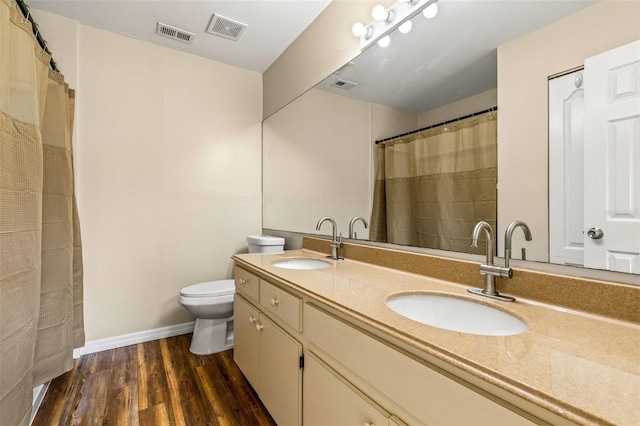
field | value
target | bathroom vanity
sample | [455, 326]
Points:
[320, 346]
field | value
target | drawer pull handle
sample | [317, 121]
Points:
[369, 424]
[274, 301]
[259, 327]
[252, 319]
[242, 281]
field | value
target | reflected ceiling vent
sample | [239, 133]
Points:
[226, 27]
[344, 84]
[174, 33]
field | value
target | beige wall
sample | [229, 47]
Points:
[317, 162]
[470, 105]
[523, 69]
[326, 45]
[318, 156]
[168, 173]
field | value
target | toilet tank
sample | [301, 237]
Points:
[265, 244]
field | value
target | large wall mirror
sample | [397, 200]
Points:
[319, 155]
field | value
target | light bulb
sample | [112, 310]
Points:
[358, 29]
[379, 13]
[406, 27]
[430, 11]
[384, 41]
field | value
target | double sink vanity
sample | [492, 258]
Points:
[393, 338]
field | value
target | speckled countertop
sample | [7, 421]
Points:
[583, 367]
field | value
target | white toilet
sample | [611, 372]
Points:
[211, 303]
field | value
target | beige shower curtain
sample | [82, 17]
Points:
[432, 187]
[40, 251]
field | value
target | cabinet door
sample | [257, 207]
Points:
[246, 351]
[280, 373]
[328, 400]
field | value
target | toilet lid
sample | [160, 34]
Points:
[210, 288]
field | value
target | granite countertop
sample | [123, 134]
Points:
[583, 367]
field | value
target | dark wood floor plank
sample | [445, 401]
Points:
[157, 383]
[153, 379]
[155, 416]
[93, 399]
[175, 410]
[196, 409]
[124, 370]
[102, 361]
[122, 406]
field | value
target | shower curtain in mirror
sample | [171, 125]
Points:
[433, 186]
[41, 317]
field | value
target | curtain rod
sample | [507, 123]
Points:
[495, 108]
[26, 12]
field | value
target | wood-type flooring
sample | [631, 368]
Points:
[154, 383]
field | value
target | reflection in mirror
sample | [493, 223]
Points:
[433, 186]
[592, 114]
[319, 153]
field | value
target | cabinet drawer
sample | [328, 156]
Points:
[285, 306]
[330, 400]
[246, 283]
[428, 395]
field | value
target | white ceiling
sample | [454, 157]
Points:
[272, 24]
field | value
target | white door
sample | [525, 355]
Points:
[566, 169]
[612, 160]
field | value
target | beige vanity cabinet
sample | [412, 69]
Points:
[268, 356]
[330, 400]
[403, 384]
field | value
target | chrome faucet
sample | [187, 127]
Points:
[336, 242]
[488, 269]
[354, 235]
[509, 234]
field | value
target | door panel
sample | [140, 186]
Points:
[612, 159]
[566, 169]
[246, 345]
[280, 376]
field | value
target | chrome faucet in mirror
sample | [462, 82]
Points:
[354, 235]
[336, 241]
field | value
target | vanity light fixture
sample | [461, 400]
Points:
[406, 27]
[384, 41]
[360, 30]
[430, 11]
[385, 21]
[379, 13]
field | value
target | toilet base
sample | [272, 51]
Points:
[211, 336]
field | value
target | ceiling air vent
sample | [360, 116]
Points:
[344, 84]
[226, 27]
[174, 33]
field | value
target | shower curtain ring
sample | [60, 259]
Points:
[26, 18]
[44, 48]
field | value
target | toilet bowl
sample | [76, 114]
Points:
[211, 303]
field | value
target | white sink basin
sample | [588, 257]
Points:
[456, 314]
[301, 264]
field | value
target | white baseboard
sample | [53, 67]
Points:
[133, 338]
[38, 396]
